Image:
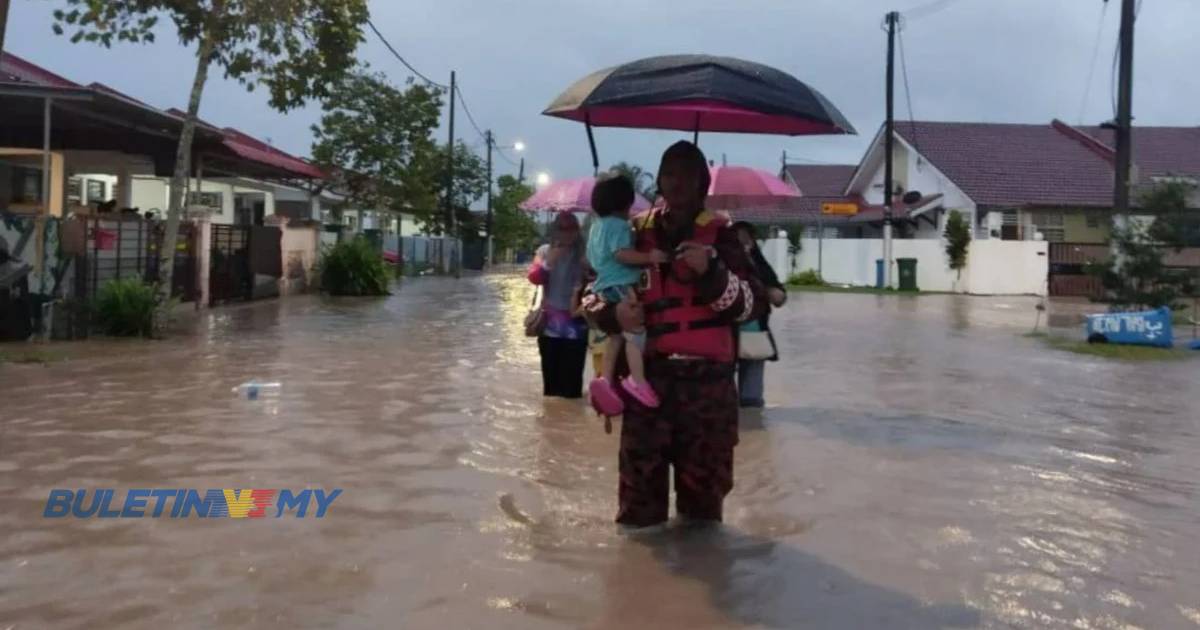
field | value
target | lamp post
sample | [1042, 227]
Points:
[517, 146]
[541, 180]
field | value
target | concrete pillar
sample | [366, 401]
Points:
[204, 249]
[124, 186]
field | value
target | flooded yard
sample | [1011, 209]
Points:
[920, 464]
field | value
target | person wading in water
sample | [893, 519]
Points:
[690, 307]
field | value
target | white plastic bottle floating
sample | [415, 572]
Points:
[255, 390]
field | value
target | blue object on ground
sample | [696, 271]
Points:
[878, 273]
[1195, 345]
[1142, 328]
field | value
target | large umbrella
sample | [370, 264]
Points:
[745, 188]
[571, 195]
[698, 93]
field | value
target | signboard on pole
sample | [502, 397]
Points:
[843, 208]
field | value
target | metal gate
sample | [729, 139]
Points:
[1068, 269]
[229, 276]
[127, 247]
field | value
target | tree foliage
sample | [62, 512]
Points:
[1137, 276]
[643, 180]
[958, 240]
[512, 227]
[470, 184]
[379, 139]
[294, 48]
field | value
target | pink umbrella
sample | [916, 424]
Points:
[745, 188]
[571, 195]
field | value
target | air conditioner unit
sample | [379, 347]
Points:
[203, 203]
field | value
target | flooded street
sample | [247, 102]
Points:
[920, 465]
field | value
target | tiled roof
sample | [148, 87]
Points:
[867, 213]
[1014, 165]
[256, 150]
[1159, 151]
[818, 183]
[18, 70]
[14, 69]
[821, 180]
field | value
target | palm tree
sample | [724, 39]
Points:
[643, 180]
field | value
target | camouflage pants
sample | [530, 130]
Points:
[694, 431]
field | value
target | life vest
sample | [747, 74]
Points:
[675, 323]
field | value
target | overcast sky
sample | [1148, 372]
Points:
[976, 60]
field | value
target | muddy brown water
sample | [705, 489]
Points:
[920, 465]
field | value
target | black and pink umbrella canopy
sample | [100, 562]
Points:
[699, 93]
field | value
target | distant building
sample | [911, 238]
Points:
[1014, 181]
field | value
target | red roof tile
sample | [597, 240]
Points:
[1012, 165]
[254, 149]
[821, 180]
[14, 69]
[1159, 151]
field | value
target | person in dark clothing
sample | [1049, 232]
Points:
[559, 269]
[756, 343]
[690, 307]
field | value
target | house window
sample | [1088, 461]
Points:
[1048, 219]
[26, 184]
[95, 191]
[210, 200]
[1093, 220]
[1053, 235]
[1050, 224]
[74, 190]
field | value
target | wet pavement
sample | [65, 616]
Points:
[920, 465]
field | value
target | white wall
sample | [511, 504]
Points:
[150, 193]
[921, 175]
[999, 267]
[154, 192]
[994, 267]
[775, 250]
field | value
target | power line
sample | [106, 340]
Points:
[908, 94]
[402, 60]
[1112, 79]
[505, 156]
[794, 159]
[1087, 87]
[927, 9]
[458, 90]
[463, 100]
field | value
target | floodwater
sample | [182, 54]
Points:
[920, 465]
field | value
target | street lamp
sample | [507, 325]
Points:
[517, 146]
[542, 179]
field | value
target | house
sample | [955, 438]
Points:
[1013, 181]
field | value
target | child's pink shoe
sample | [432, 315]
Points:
[642, 392]
[604, 399]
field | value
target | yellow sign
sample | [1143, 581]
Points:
[831, 207]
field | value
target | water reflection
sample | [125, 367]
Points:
[918, 465]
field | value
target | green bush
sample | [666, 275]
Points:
[125, 308]
[808, 278]
[354, 267]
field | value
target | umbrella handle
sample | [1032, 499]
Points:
[587, 123]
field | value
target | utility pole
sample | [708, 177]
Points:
[451, 215]
[3, 22]
[488, 253]
[521, 172]
[1124, 122]
[889, 132]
